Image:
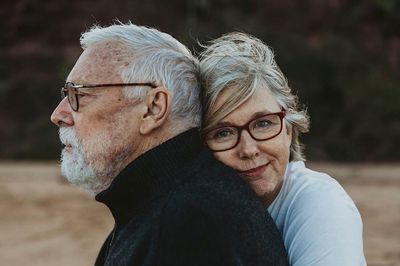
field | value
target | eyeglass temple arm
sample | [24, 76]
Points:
[114, 85]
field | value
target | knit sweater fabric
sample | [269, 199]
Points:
[176, 205]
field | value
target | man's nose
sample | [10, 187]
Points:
[248, 147]
[62, 115]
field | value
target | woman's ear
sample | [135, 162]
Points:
[158, 104]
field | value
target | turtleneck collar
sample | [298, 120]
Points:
[149, 174]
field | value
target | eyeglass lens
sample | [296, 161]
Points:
[70, 92]
[262, 128]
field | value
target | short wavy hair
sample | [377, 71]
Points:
[154, 56]
[243, 62]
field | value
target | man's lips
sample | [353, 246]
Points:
[67, 146]
[255, 171]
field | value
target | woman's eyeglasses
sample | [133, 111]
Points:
[227, 137]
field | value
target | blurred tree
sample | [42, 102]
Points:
[342, 57]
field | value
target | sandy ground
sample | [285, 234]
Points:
[45, 221]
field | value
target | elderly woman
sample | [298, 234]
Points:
[252, 123]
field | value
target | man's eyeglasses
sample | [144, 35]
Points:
[71, 91]
[227, 137]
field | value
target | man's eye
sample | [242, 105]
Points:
[80, 95]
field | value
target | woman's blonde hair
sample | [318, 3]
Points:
[244, 63]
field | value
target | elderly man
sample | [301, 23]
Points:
[128, 119]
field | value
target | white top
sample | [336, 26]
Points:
[319, 223]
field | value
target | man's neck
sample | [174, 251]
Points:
[155, 139]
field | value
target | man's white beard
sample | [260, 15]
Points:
[89, 164]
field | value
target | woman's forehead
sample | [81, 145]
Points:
[262, 100]
[261, 97]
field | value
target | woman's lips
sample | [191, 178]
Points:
[255, 171]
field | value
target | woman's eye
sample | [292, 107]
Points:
[222, 133]
[262, 123]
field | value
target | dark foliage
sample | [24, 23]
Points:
[342, 57]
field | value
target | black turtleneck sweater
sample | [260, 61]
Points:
[176, 205]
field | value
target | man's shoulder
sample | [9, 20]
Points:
[213, 191]
[211, 217]
[208, 181]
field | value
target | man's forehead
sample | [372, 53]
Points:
[99, 63]
[107, 50]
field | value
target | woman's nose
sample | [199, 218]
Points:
[248, 147]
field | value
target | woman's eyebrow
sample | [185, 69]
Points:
[223, 124]
[261, 113]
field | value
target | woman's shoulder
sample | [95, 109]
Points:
[303, 183]
[308, 196]
[299, 174]
[320, 218]
[310, 190]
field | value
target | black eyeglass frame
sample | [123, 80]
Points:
[246, 127]
[71, 87]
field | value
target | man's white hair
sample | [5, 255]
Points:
[156, 57]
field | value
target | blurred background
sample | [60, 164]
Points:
[342, 58]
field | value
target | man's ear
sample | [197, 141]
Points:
[158, 104]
